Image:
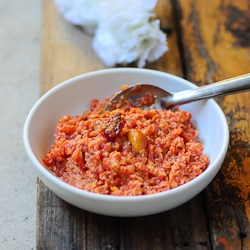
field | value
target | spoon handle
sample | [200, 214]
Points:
[225, 87]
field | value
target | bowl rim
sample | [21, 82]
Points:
[103, 197]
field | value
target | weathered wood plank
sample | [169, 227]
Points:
[59, 224]
[216, 45]
[66, 52]
[171, 62]
[181, 228]
[102, 232]
[215, 38]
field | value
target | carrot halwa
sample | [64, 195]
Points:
[126, 151]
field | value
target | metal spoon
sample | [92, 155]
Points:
[166, 100]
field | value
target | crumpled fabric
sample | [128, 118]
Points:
[123, 31]
[125, 34]
[83, 13]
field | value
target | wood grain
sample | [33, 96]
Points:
[59, 224]
[66, 50]
[216, 38]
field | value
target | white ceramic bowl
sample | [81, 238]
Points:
[74, 96]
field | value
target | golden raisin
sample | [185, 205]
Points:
[137, 139]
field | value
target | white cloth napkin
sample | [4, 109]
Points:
[122, 29]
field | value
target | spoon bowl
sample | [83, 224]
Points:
[135, 93]
[161, 98]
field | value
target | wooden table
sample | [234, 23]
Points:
[208, 41]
